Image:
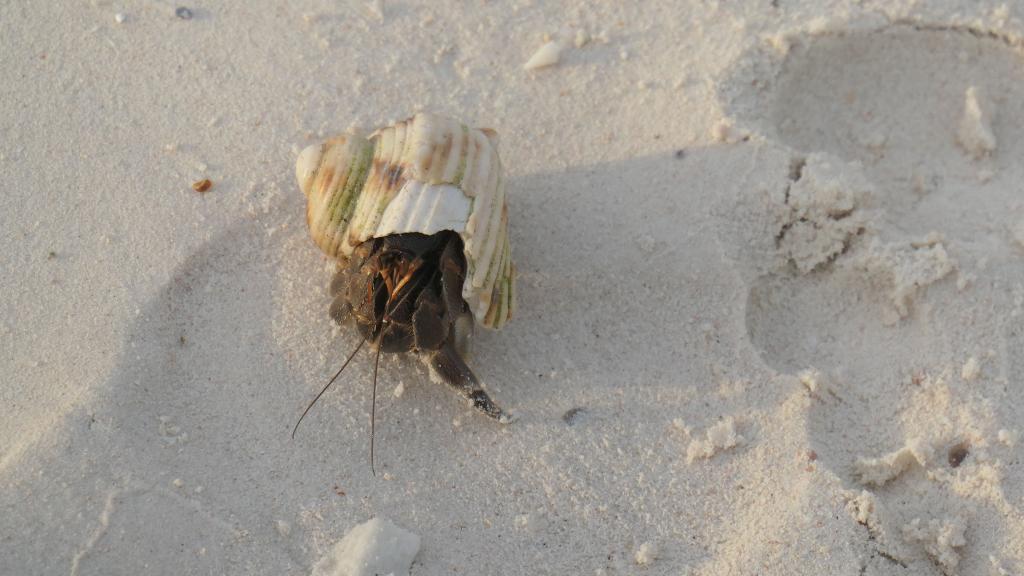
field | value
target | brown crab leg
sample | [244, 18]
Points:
[447, 366]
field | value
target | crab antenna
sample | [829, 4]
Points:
[336, 374]
[373, 400]
[385, 325]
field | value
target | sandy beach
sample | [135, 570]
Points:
[770, 282]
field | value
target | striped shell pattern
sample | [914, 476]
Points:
[425, 174]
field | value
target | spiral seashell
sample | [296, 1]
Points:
[425, 174]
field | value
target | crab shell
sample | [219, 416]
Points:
[425, 174]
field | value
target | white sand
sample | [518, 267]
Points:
[803, 219]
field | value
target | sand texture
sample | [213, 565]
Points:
[770, 289]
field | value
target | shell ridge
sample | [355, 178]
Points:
[480, 220]
[495, 262]
[460, 170]
[497, 287]
[506, 284]
[486, 196]
[513, 303]
[451, 152]
[490, 238]
[393, 179]
[364, 224]
[493, 293]
[378, 202]
[322, 186]
[343, 205]
[499, 298]
[423, 148]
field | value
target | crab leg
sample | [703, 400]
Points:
[446, 366]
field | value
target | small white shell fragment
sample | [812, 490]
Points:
[814, 380]
[971, 370]
[680, 425]
[120, 17]
[581, 38]
[283, 528]
[547, 55]
[646, 554]
[374, 547]
[975, 134]
[1007, 437]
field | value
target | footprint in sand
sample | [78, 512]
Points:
[890, 293]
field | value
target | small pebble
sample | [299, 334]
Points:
[573, 415]
[581, 39]
[120, 17]
[957, 454]
[646, 554]
[183, 13]
[971, 369]
[283, 528]
[202, 185]
[1007, 437]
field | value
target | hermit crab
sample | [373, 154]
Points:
[415, 215]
